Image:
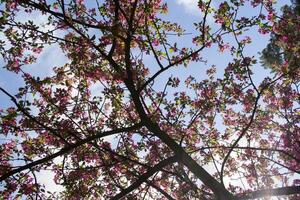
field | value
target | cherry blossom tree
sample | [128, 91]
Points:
[109, 124]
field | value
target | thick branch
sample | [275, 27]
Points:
[218, 189]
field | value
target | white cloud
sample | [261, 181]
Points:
[191, 6]
[46, 178]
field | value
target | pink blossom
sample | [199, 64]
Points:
[15, 66]
[37, 50]
[155, 42]
[284, 38]
[80, 2]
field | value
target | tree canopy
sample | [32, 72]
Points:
[141, 110]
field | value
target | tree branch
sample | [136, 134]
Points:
[143, 178]
[67, 149]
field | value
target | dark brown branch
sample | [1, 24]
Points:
[67, 149]
[218, 189]
[191, 164]
[168, 67]
[143, 178]
[53, 131]
[208, 180]
[45, 8]
[183, 58]
[151, 46]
